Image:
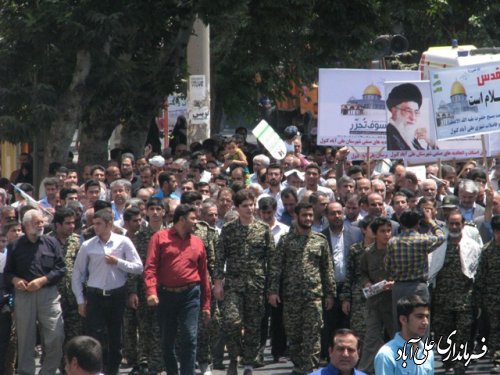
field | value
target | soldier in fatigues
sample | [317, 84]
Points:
[304, 262]
[207, 333]
[452, 296]
[64, 225]
[244, 247]
[353, 300]
[486, 290]
[150, 360]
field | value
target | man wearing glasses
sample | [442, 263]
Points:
[403, 130]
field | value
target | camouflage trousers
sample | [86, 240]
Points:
[149, 348]
[142, 335]
[243, 310]
[494, 337]
[73, 322]
[445, 321]
[130, 326]
[208, 334]
[358, 314]
[303, 322]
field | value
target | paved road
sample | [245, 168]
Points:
[482, 366]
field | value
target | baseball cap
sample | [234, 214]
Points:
[291, 131]
[450, 201]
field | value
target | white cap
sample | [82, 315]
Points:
[157, 161]
[297, 172]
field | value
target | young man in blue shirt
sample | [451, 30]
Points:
[399, 356]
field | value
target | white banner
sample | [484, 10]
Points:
[466, 100]
[352, 110]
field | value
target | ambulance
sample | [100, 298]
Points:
[455, 55]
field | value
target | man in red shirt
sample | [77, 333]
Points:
[175, 276]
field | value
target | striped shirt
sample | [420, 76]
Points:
[406, 257]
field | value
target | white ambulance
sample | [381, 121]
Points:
[455, 55]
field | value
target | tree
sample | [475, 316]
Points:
[288, 40]
[95, 63]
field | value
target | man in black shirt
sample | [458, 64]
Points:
[35, 264]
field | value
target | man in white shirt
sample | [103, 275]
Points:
[104, 262]
[340, 238]
[267, 212]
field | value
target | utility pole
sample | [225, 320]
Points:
[198, 59]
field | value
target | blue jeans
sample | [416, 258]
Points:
[179, 310]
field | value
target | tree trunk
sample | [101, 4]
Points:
[53, 145]
[135, 132]
[94, 143]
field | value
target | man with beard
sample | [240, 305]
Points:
[64, 227]
[339, 239]
[403, 131]
[35, 264]
[457, 260]
[304, 263]
[274, 175]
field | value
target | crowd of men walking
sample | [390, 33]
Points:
[169, 260]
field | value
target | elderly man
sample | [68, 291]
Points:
[403, 133]
[35, 264]
[467, 194]
[429, 188]
[120, 192]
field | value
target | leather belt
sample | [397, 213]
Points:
[106, 293]
[178, 289]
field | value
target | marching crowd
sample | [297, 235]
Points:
[174, 258]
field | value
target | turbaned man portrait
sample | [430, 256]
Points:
[406, 130]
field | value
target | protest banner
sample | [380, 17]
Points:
[270, 140]
[352, 108]
[464, 100]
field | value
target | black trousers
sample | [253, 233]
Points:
[5, 328]
[333, 319]
[104, 322]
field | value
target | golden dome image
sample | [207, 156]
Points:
[372, 90]
[457, 89]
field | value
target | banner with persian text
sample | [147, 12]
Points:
[352, 108]
[466, 100]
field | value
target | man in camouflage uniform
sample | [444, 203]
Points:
[352, 298]
[304, 262]
[452, 297]
[486, 289]
[207, 333]
[244, 247]
[64, 225]
[131, 223]
[149, 355]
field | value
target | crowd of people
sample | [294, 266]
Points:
[169, 260]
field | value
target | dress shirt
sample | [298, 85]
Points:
[279, 229]
[331, 370]
[31, 260]
[44, 203]
[323, 224]
[91, 267]
[175, 262]
[3, 259]
[468, 213]
[386, 363]
[339, 258]
[406, 258]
